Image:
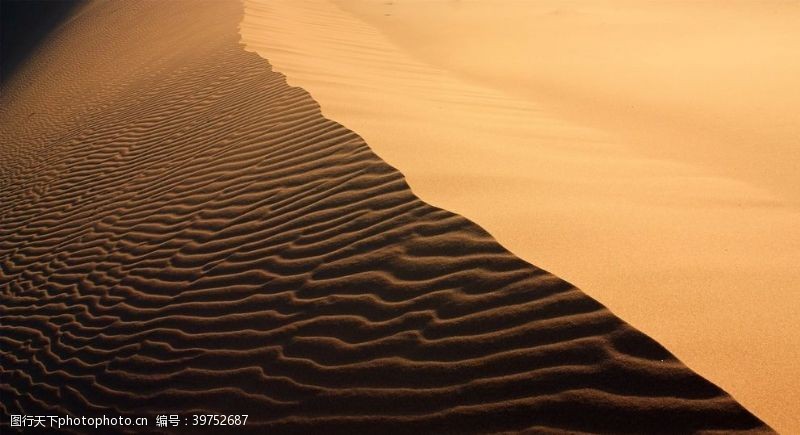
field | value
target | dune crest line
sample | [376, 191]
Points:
[577, 145]
[183, 232]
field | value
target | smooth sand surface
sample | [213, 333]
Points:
[645, 151]
[182, 232]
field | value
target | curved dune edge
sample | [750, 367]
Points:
[183, 232]
[704, 263]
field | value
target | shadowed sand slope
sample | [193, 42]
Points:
[627, 146]
[181, 231]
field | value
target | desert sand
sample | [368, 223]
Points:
[645, 151]
[183, 232]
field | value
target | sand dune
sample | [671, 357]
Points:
[182, 232]
[645, 151]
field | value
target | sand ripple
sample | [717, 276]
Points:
[181, 231]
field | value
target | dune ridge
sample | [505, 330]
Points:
[621, 145]
[181, 231]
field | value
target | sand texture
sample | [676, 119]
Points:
[645, 151]
[182, 232]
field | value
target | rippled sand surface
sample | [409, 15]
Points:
[182, 232]
[645, 151]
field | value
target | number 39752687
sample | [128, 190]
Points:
[219, 420]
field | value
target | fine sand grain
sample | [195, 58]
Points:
[182, 232]
[645, 151]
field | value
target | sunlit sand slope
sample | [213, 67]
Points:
[181, 231]
[645, 151]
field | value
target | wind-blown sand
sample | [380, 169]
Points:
[183, 232]
[646, 151]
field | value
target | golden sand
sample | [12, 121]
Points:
[181, 231]
[644, 151]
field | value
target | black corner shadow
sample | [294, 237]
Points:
[24, 24]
